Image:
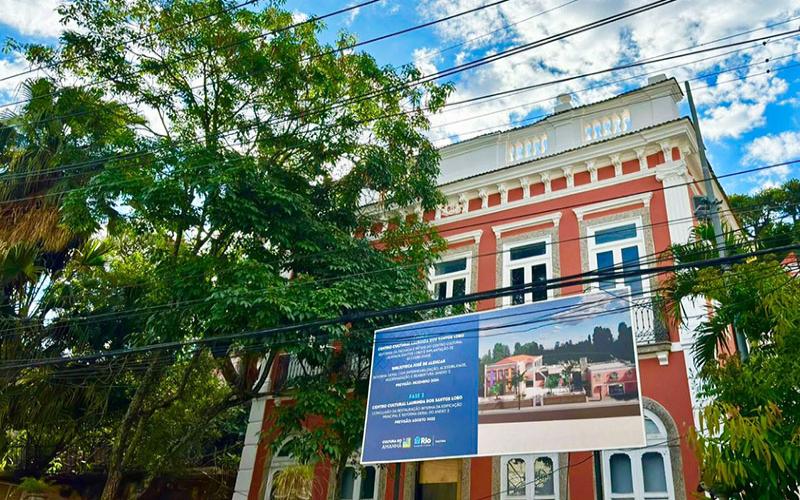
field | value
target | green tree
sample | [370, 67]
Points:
[749, 444]
[240, 203]
[53, 145]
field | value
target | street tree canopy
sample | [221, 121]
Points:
[237, 204]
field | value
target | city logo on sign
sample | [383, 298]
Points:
[422, 441]
[406, 442]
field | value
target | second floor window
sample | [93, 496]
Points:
[615, 249]
[529, 477]
[527, 263]
[450, 278]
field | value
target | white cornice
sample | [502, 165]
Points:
[630, 142]
[469, 235]
[552, 218]
[581, 212]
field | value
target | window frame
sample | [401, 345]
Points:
[358, 479]
[277, 464]
[656, 443]
[616, 247]
[449, 278]
[530, 463]
[527, 263]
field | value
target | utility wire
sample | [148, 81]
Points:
[137, 39]
[565, 281]
[130, 156]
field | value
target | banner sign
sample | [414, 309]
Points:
[551, 376]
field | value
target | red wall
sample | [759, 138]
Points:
[666, 384]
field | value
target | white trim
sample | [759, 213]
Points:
[448, 278]
[546, 259]
[581, 212]
[637, 472]
[553, 218]
[469, 235]
[530, 475]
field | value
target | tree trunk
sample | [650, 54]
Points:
[124, 433]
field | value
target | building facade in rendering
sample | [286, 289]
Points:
[589, 187]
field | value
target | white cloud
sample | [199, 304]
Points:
[773, 148]
[31, 17]
[732, 105]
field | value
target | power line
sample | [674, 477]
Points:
[130, 156]
[139, 38]
[565, 281]
[491, 96]
[251, 38]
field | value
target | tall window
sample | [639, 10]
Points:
[450, 278]
[358, 483]
[643, 473]
[529, 477]
[527, 263]
[614, 249]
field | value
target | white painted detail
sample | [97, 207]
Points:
[581, 212]
[553, 218]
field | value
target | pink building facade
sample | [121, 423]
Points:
[591, 186]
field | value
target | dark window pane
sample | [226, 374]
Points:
[543, 475]
[655, 478]
[348, 483]
[531, 250]
[518, 278]
[605, 265]
[368, 483]
[440, 290]
[539, 274]
[459, 287]
[515, 477]
[615, 234]
[621, 479]
[450, 266]
[630, 262]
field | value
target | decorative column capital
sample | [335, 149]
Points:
[640, 154]
[546, 181]
[591, 166]
[525, 184]
[569, 176]
[503, 190]
[666, 149]
[484, 196]
[615, 160]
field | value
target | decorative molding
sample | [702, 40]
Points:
[581, 212]
[503, 190]
[617, 165]
[525, 183]
[463, 200]
[469, 235]
[591, 166]
[666, 148]
[553, 218]
[642, 157]
[546, 180]
[569, 176]
[484, 196]
[672, 171]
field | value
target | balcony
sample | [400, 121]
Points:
[648, 327]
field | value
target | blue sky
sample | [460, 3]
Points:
[571, 318]
[748, 117]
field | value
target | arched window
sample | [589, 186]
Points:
[606, 127]
[588, 132]
[641, 473]
[544, 144]
[529, 149]
[280, 461]
[617, 124]
[626, 121]
[518, 152]
[529, 477]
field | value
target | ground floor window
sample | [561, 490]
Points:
[529, 477]
[359, 483]
[640, 474]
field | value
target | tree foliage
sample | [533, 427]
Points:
[749, 441]
[235, 204]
